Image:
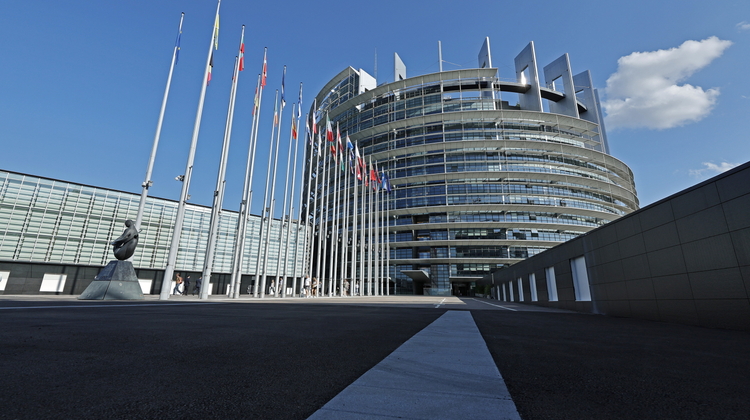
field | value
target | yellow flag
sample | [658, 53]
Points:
[216, 33]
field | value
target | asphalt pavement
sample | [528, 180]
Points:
[288, 358]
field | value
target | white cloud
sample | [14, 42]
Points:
[712, 167]
[743, 26]
[644, 92]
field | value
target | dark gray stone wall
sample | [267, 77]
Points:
[683, 259]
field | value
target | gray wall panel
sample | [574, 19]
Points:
[673, 287]
[640, 289]
[635, 267]
[661, 237]
[667, 261]
[712, 253]
[703, 224]
[657, 215]
[736, 185]
[632, 246]
[692, 270]
[741, 243]
[628, 226]
[736, 212]
[718, 284]
[695, 201]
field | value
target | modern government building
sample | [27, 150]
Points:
[486, 171]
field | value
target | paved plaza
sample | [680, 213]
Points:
[411, 357]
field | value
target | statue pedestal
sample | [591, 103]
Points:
[117, 281]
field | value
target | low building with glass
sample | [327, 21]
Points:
[486, 171]
[55, 238]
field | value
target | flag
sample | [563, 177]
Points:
[329, 130]
[307, 131]
[210, 68]
[255, 101]
[349, 144]
[283, 101]
[374, 175]
[216, 33]
[299, 103]
[294, 129]
[312, 116]
[358, 164]
[320, 152]
[177, 44]
[341, 148]
[242, 50]
[351, 161]
[275, 113]
[384, 181]
[265, 71]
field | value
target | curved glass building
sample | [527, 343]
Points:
[485, 171]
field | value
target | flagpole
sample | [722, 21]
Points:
[315, 247]
[284, 250]
[247, 191]
[336, 279]
[333, 261]
[363, 232]
[345, 229]
[304, 192]
[172, 257]
[295, 133]
[218, 200]
[376, 240]
[388, 241]
[325, 209]
[147, 181]
[354, 225]
[264, 212]
[244, 213]
[381, 256]
[322, 232]
[273, 194]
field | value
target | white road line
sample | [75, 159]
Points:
[441, 302]
[492, 304]
[456, 379]
[109, 306]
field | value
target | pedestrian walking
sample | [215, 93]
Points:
[177, 283]
[272, 288]
[198, 284]
[186, 285]
[307, 286]
[315, 287]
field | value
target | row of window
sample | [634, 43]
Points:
[44, 220]
[483, 233]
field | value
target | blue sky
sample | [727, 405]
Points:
[82, 81]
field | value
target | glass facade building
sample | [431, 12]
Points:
[485, 171]
[58, 224]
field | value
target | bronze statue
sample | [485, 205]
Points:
[124, 246]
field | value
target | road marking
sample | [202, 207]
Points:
[456, 379]
[109, 306]
[441, 302]
[492, 304]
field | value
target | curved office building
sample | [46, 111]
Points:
[485, 171]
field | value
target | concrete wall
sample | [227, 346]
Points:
[683, 259]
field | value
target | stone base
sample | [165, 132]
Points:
[117, 281]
